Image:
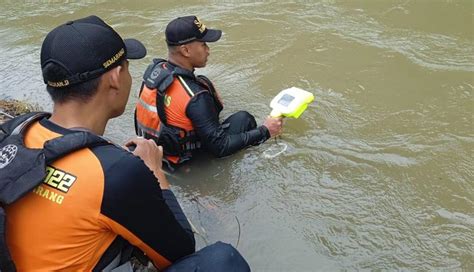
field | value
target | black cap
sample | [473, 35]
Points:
[84, 49]
[187, 29]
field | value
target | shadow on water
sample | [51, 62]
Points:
[206, 190]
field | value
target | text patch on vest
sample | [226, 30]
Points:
[59, 179]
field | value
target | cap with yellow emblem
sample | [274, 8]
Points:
[183, 30]
[84, 49]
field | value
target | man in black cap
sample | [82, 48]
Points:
[96, 202]
[180, 110]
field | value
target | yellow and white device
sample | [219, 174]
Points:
[291, 102]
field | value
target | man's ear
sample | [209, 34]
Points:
[114, 77]
[184, 50]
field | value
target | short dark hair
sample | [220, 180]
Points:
[172, 48]
[81, 91]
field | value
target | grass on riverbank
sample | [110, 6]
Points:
[11, 108]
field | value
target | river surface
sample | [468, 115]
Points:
[378, 173]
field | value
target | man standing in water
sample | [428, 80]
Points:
[97, 202]
[180, 110]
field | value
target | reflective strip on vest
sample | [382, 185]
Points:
[186, 87]
[146, 106]
[147, 117]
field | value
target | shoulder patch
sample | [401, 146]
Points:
[7, 155]
[157, 77]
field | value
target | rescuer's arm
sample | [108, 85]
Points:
[152, 156]
[213, 136]
[136, 208]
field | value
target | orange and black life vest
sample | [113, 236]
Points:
[160, 113]
[68, 191]
[23, 168]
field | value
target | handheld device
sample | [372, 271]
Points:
[291, 102]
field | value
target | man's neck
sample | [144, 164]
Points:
[180, 62]
[73, 115]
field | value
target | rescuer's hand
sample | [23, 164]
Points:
[152, 156]
[274, 125]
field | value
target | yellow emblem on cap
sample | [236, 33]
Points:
[58, 84]
[113, 59]
[200, 25]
